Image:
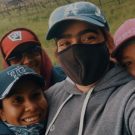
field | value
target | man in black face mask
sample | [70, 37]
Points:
[96, 98]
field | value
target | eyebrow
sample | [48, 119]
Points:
[78, 34]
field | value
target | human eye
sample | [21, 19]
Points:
[88, 38]
[18, 100]
[64, 43]
[36, 95]
[126, 64]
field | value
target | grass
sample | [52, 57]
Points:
[38, 21]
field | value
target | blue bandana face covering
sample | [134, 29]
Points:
[34, 129]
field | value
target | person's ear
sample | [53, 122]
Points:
[2, 115]
[110, 46]
[114, 60]
[56, 55]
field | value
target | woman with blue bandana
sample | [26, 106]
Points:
[23, 107]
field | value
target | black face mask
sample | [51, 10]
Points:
[84, 64]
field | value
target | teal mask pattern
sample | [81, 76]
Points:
[34, 129]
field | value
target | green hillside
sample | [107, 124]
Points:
[36, 19]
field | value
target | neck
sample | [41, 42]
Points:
[84, 88]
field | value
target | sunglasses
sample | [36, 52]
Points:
[30, 52]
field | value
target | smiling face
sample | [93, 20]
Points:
[31, 62]
[128, 59]
[78, 32]
[26, 106]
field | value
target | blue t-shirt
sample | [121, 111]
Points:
[57, 75]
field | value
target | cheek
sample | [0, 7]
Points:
[43, 103]
[131, 70]
[43, 106]
[59, 49]
[38, 58]
[13, 114]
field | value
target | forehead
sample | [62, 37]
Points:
[74, 27]
[130, 50]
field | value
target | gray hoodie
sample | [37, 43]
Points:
[106, 109]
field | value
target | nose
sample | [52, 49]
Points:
[30, 106]
[76, 40]
[26, 60]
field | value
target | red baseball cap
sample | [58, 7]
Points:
[16, 37]
[124, 32]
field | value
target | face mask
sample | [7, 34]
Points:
[34, 129]
[84, 64]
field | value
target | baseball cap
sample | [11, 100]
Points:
[10, 76]
[16, 37]
[124, 32]
[81, 11]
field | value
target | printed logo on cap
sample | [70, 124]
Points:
[98, 13]
[125, 35]
[15, 36]
[74, 10]
[18, 71]
[71, 9]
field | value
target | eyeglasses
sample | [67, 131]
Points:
[30, 52]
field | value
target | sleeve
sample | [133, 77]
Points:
[57, 74]
[130, 115]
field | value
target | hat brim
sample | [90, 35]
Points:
[53, 30]
[37, 78]
[18, 45]
[114, 53]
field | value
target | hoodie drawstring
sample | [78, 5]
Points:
[82, 112]
[56, 115]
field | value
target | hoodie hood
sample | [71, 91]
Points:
[116, 77]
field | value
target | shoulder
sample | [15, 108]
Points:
[53, 91]
[129, 110]
[57, 74]
[4, 130]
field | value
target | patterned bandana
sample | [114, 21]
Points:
[34, 129]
